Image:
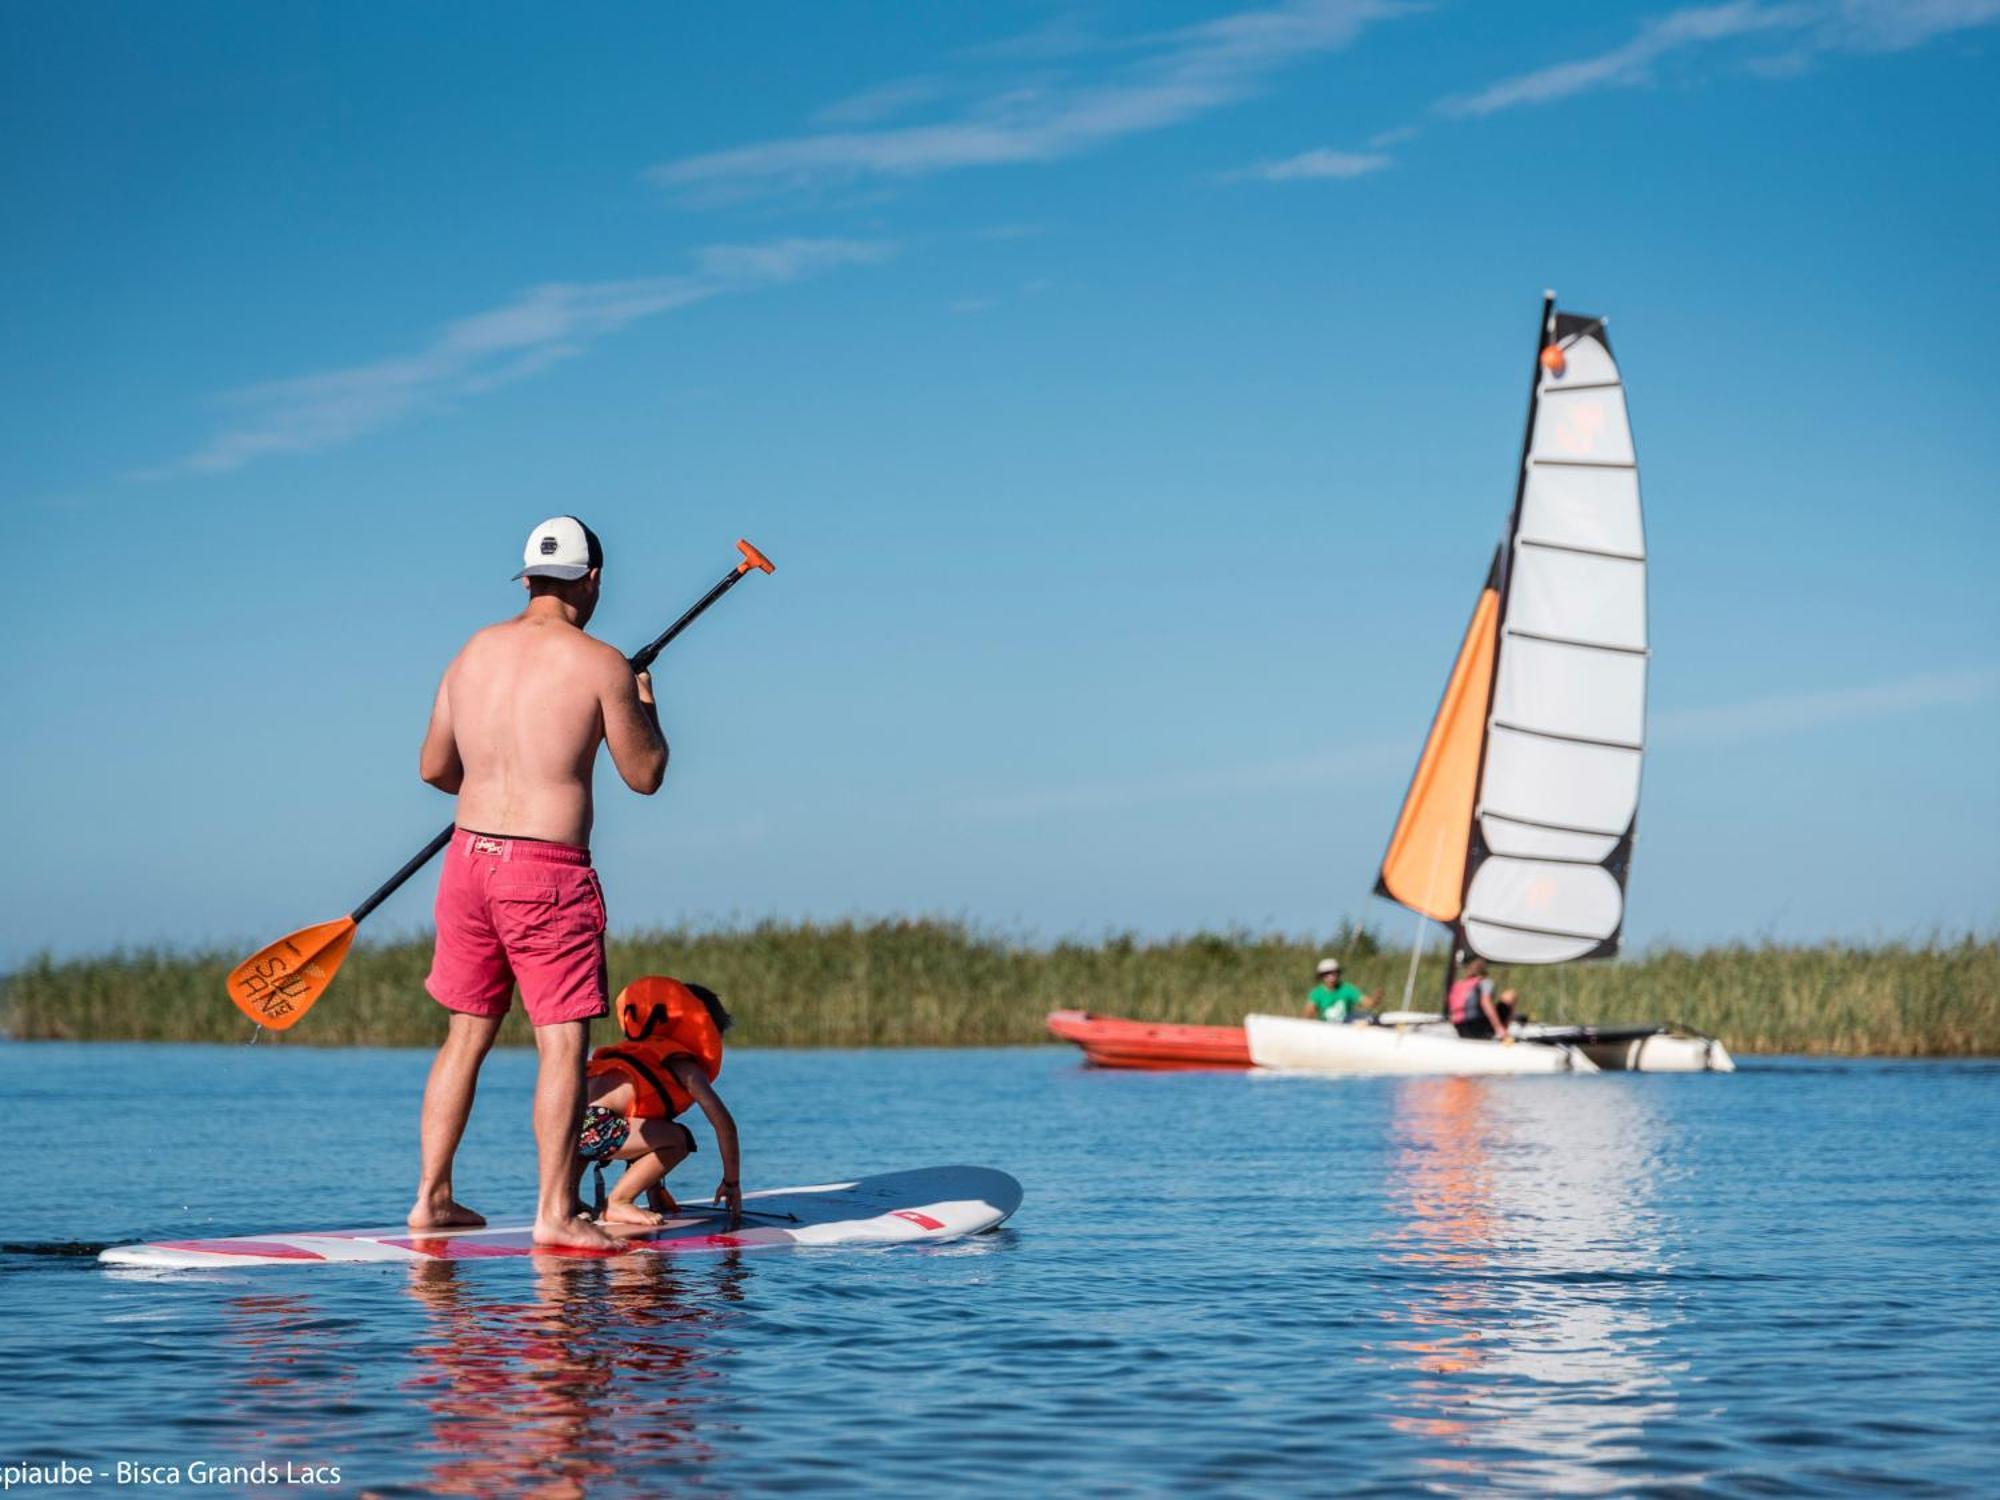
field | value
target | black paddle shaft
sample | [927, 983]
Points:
[640, 660]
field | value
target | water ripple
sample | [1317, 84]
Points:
[1781, 1283]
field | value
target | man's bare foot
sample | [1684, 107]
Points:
[630, 1213]
[576, 1233]
[443, 1213]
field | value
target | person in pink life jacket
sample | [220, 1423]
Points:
[1475, 1010]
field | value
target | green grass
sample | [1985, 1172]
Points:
[935, 983]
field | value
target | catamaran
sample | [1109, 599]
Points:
[1516, 832]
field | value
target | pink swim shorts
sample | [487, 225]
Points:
[519, 910]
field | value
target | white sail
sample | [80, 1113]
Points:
[1565, 733]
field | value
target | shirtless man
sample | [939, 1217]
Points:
[514, 734]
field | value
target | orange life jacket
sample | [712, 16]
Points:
[661, 1018]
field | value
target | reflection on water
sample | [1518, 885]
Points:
[288, 1369]
[542, 1396]
[545, 1387]
[1532, 1290]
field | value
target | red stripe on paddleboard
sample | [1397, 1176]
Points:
[757, 1237]
[923, 1220]
[268, 1248]
[462, 1247]
[710, 1242]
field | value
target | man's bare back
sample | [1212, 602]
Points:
[514, 733]
[518, 719]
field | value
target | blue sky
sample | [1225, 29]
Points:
[1129, 395]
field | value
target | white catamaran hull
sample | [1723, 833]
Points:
[1660, 1052]
[1295, 1044]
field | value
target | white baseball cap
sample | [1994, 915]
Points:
[561, 547]
[1328, 966]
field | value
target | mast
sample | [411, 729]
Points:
[1503, 565]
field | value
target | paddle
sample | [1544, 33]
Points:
[278, 984]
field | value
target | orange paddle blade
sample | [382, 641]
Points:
[276, 985]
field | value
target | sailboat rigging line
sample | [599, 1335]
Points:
[1596, 833]
[1430, 899]
[1563, 640]
[1584, 385]
[1579, 463]
[1528, 541]
[1570, 739]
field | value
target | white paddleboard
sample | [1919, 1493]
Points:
[929, 1205]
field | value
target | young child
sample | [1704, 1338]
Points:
[667, 1059]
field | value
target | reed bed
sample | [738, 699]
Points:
[933, 983]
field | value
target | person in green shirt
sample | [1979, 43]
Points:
[1333, 998]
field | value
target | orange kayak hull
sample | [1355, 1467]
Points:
[1111, 1042]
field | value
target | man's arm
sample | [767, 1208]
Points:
[723, 1123]
[438, 762]
[632, 728]
[1493, 1012]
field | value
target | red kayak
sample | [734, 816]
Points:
[1109, 1042]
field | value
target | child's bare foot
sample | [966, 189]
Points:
[443, 1213]
[571, 1234]
[630, 1213]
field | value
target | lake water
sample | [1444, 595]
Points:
[1786, 1281]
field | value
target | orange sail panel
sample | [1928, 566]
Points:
[1425, 866]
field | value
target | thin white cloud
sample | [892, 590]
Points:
[882, 102]
[1897, 25]
[1807, 29]
[1034, 286]
[1319, 165]
[1174, 77]
[1632, 64]
[1793, 712]
[1064, 37]
[1379, 762]
[536, 329]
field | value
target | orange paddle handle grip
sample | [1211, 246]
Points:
[753, 561]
